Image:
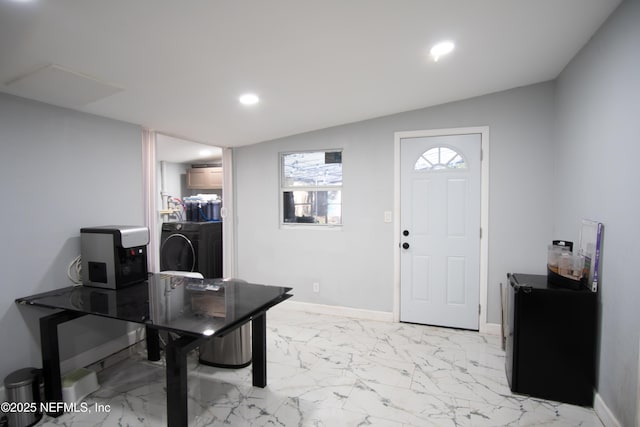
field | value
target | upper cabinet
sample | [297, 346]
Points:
[208, 178]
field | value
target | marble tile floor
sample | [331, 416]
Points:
[336, 371]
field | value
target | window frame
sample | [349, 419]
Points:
[282, 188]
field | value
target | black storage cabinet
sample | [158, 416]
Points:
[550, 340]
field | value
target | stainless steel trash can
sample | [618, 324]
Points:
[230, 351]
[23, 392]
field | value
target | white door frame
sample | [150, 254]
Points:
[484, 214]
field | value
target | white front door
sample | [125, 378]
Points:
[440, 225]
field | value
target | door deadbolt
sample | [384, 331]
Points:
[405, 233]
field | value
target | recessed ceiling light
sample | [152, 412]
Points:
[441, 49]
[205, 153]
[249, 99]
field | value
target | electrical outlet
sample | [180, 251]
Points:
[316, 287]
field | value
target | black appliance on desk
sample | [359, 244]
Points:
[550, 340]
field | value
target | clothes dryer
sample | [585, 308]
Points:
[192, 246]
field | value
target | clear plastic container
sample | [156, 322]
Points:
[570, 265]
[564, 264]
[553, 256]
[578, 267]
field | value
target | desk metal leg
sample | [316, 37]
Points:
[176, 356]
[153, 343]
[51, 355]
[259, 349]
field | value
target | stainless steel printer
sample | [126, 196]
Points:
[114, 256]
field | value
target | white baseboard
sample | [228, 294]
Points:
[335, 310]
[100, 352]
[604, 413]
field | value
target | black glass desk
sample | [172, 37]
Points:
[194, 310]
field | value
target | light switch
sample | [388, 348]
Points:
[388, 216]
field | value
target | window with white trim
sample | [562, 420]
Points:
[439, 158]
[311, 187]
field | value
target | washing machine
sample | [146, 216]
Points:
[192, 246]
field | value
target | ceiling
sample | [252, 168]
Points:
[177, 150]
[178, 67]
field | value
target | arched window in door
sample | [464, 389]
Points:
[439, 158]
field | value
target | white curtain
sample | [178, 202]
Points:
[229, 268]
[149, 183]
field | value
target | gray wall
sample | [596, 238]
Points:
[598, 107]
[176, 182]
[60, 170]
[355, 265]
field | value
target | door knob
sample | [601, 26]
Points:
[405, 245]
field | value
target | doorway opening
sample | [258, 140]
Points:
[187, 181]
